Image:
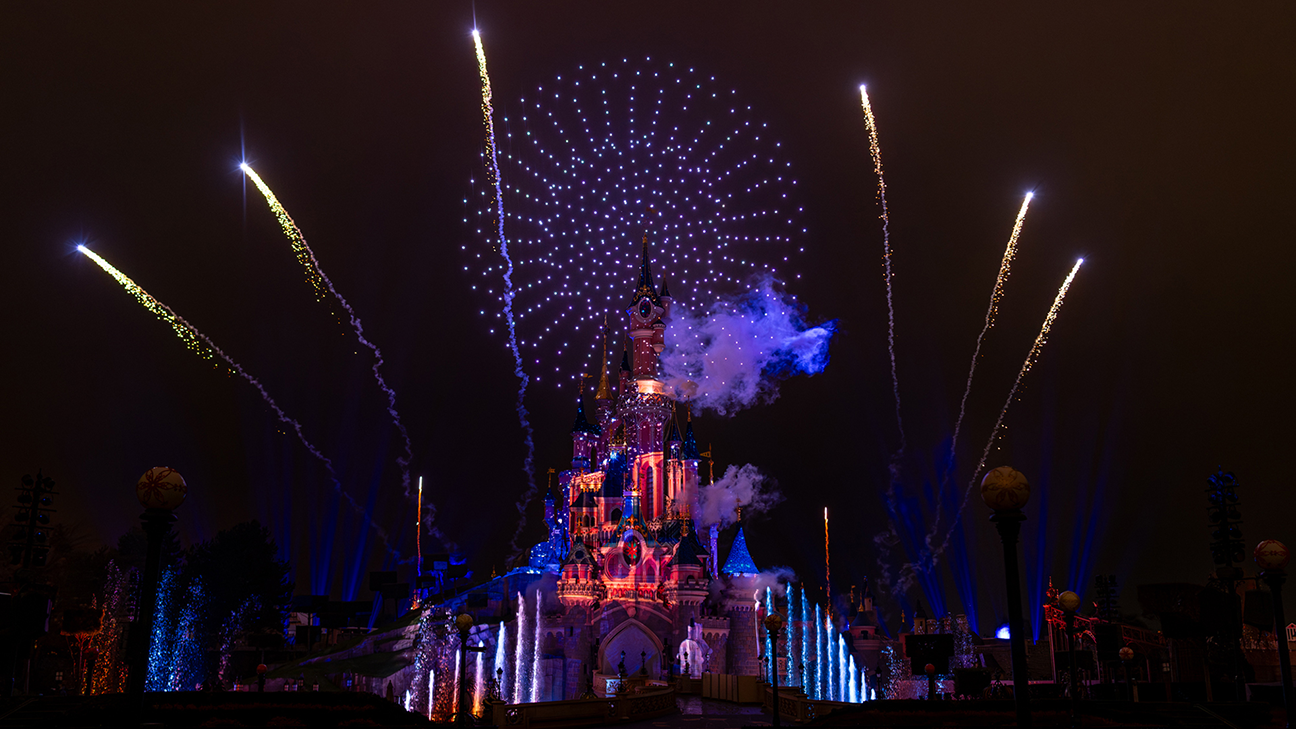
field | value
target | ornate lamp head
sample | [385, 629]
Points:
[161, 488]
[774, 622]
[1271, 555]
[1069, 601]
[1005, 489]
[463, 622]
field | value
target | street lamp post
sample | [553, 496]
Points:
[160, 490]
[773, 624]
[1272, 557]
[1070, 602]
[1006, 491]
[1127, 655]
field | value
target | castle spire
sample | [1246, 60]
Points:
[645, 268]
[582, 424]
[646, 288]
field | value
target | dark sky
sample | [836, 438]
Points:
[1158, 139]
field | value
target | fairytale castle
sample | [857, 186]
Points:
[642, 590]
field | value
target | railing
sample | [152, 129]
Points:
[796, 706]
[729, 687]
[585, 712]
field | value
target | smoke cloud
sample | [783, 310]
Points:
[743, 486]
[734, 355]
[776, 579]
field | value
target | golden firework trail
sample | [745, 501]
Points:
[204, 347]
[305, 256]
[1005, 267]
[321, 283]
[492, 171]
[875, 150]
[1031, 357]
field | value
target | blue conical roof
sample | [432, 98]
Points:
[690, 442]
[740, 562]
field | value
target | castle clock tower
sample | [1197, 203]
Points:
[646, 402]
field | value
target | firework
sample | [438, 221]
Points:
[198, 342]
[827, 562]
[1031, 357]
[1005, 267]
[598, 157]
[493, 172]
[320, 282]
[875, 150]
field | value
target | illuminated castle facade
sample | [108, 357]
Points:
[640, 587]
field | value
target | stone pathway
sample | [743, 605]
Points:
[699, 713]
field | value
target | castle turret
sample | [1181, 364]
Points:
[646, 310]
[585, 437]
[646, 406]
[743, 607]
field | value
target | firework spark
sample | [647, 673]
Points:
[876, 151]
[1005, 267]
[1031, 358]
[321, 283]
[198, 343]
[886, 540]
[827, 562]
[492, 171]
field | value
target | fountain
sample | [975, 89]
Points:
[831, 693]
[519, 662]
[479, 683]
[501, 660]
[535, 651]
[771, 650]
[820, 680]
[431, 692]
[841, 668]
[853, 687]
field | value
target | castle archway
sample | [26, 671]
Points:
[642, 650]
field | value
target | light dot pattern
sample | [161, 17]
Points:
[592, 161]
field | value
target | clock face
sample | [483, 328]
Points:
[645, 308]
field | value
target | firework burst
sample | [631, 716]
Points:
[599, 157]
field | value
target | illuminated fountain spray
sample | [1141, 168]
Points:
[796, 636]
[457, 686]
[501, 660]
[841, 668]
[479, 684]
[432, 690]
[535, 652]
[821, 651]
[807, 668]
[853, 688]
[519, 656]
[770, 647]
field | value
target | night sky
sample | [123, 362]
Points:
[1158, 140]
